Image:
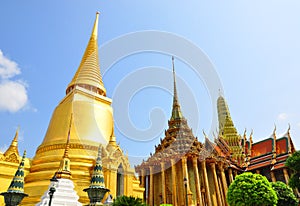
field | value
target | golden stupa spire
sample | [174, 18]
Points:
[176, 111]
[13, 148]
[88, 74]
[223, 112]
[64, 168]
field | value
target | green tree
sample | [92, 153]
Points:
[285, 194]
[293, 162]
[251, 190]
[128, 201]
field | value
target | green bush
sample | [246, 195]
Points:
[251, 190]
[285, 194]
[128, 201]
[293, 162]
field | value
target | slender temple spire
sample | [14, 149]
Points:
[64, 168]
[13, 148]
[223, 112]
[176, 111]
[88, 74]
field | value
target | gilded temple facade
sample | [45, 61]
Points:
[183, 171]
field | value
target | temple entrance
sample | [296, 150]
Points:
[120, 180]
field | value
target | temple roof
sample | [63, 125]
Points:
[272, 152]
[88, 73]
[179, 139]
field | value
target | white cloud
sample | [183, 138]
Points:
[8, 68]
[282, 116]
[13, 96]
[13, 93]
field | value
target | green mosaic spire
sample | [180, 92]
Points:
[17, 184]
[97, 180]
[97, 190]
[15, 192]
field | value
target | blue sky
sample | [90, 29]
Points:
[254, 47]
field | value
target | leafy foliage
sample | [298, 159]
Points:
[293, 162]
[285, 194]
[128, 201]
[251, 190]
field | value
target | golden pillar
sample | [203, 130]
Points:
[223, 180]
[213, 167]
[197, 181]
[207, 192]
[151, 186]
[163, 183]
[143, 178]
[174, 193]
[286, 175]
[230, 175]
[273, 176]
[187, 191]
[257, 172]
[223, 199]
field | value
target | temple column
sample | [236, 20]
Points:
[207, 192]
[213, 167]
[163, 183]
[143, 177]
[187, 190]
[230, 175]
[197, 181]
[273, 176]
[235, 173]
[223, 180]
[151, 186]
[223, 199]
[174, 193]
[286, 175]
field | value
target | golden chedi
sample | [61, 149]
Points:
[92, 125]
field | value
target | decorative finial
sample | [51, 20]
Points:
[220, 92]
[274, 128]
[289, 128]
[176, 112]
[97, 12]
[204, 133]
